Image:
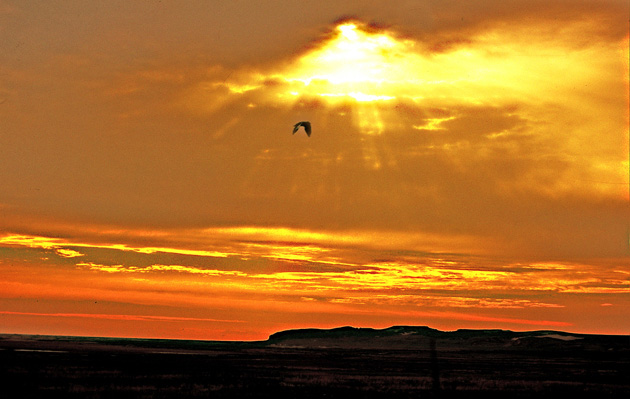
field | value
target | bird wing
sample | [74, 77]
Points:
[307, 127]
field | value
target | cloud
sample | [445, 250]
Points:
[123, 317]
[158, 269]
[342, 271]
[68, 253]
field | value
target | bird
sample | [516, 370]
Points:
[307, 127]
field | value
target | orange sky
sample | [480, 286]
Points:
[468, 166]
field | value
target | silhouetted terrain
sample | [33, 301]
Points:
[397, 362]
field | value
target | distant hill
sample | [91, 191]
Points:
[419, 337]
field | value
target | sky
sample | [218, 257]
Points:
[467, 168]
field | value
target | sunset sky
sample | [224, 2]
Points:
[468, 166]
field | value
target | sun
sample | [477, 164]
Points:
[355, 64]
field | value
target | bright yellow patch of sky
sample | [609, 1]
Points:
[548, 83]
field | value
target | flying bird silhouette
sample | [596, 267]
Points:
[307, 127]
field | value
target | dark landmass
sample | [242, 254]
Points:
[347, 362]
[413, 338]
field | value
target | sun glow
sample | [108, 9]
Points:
[354, 64]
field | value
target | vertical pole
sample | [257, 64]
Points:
[435, 370]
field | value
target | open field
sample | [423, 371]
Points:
[358, 366]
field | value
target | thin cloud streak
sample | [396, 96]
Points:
[120, 317]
